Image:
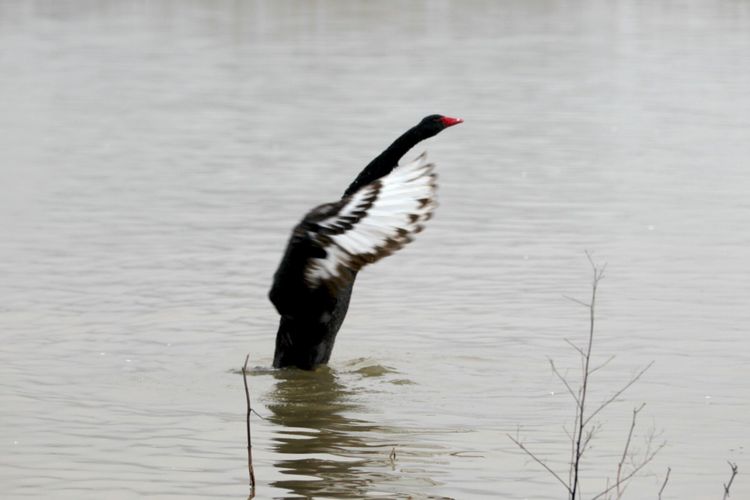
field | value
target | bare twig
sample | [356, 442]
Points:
[606, 485]
[664, 484]
[577, 301]
[579, 444]
[590, 433]
[250, 470]
[603, 364]
[731, 479]
[573, 441]
[571, 344]
[617, 394]
[584, 429]
[563, 380]
[618, 480]
[598, 271]
[633, 472]
[539, 461]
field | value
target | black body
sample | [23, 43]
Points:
[311, 317]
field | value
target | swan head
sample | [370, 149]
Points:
[434, 124]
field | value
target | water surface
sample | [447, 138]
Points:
[155, 157]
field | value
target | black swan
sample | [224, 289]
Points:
[377, 215]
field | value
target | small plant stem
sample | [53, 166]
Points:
[250, 469]
[664, 484]
[598, 275]
[728, 485]
[539, 461]
[618, 480]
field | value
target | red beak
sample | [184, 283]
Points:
[449, 122]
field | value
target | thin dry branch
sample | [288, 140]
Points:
[618, 393]
[598, 271]
[563, 380]
[571, 469]
[731, 479]
[539, 461]
[579, 444]
[583, 431]
[625, 450]
[250, 469]
[609, 360]
[664, 484]
[632, 473]
[577, 301]
[590, 433]
[580, 351]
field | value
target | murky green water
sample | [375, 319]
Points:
[155, 155]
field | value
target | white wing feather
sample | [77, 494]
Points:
[375, 221]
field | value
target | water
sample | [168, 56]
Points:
[156, 155]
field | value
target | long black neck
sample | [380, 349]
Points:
[388, 159]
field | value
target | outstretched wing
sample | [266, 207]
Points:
[371, 223]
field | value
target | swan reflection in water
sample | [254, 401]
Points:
[322, 449]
